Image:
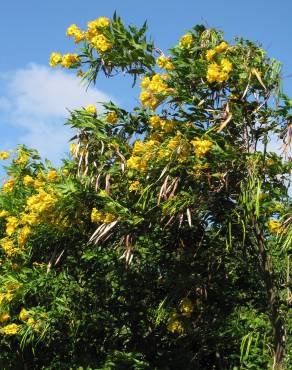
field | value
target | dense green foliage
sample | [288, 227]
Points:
[164, 240]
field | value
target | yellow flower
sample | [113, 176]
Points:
[10, 329]
[4, 155]
[154, 90]
[112, 117]
[186, 307]
[22, 158]
[145, 82]
[223, 46]
[52, 175]
[154, 122]
[186, 41]
[134, 186]
[68, 60]
[38, 183]
[4, 213]
[213, 72]
[226, 65]
[91, 109]
[96, 216]
[219, 73]
[101, 43]
[4, 317]
[210, 54]
[55, 59]
[174, 325]
[134, 162]
[100, 23]
[138, 147]
[201, 147]
[163, 62]
[30, 218]
[174, 142]
[24, 315]
[8, 185]
[11, 225]
[23, 235]
[274, 226]
[8, 247]
[74, 31]
[109, 217]
[28, 180]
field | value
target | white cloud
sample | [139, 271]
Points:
[36, 99]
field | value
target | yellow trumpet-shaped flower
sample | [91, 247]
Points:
[24, 315]
[55, 59]
[186, 41]
[10, 329]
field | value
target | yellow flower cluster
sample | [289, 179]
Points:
[112, 117]
[101, 43]
[23, 235]
[186, 41]
[28, 180]
[10, 329]
[174, 325]
[274, 226]
[4, 155]
[4, 213]
[223, 46]
[22, 158]
[95, 36]
[164, 62]
[100, 22]
[66, 61]
[8, 185]
[39, 206]
[74, 31]
[186, 307]
[8, 247]
[97, 216]
[201, 147]
[11, 224]
[210, 54]
[166, 125]
[55, 59]
[141, 154]
[134, 186]
[154, 90]
[52, 175]
[219, 73]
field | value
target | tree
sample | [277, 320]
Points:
[163, 241]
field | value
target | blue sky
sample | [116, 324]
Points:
[33, 97]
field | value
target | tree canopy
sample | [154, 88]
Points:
[164, 239]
